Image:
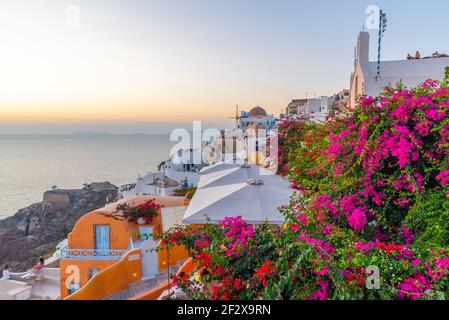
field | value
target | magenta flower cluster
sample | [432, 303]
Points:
[360, 176]
[401, 144]
[237, 234]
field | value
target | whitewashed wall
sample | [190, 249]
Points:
[172, 216]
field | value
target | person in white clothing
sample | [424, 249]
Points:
[6, 273]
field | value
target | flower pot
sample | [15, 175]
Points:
[141, 221]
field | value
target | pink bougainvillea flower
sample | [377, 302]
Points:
[443, 178]
[321, 293]
[414, 287]
[357, 219]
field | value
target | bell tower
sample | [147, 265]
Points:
[362, 53]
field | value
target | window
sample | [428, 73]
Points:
[74, 287]
[102, 236]
[93, 272]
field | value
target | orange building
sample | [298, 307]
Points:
[106, 253]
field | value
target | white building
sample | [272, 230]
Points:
[184, 170]
[295, 106]
[257, 116]
[171, 175]
[317, 109]
[153, 183]
[248, 135]
[411, 72]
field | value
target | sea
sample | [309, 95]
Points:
[32, 164]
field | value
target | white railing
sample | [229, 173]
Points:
[92, 254]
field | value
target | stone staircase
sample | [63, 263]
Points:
[47, 289]
[146, 285]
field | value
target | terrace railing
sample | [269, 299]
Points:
[92, 254]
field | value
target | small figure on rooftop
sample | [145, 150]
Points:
[418, 55]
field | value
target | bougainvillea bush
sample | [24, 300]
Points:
[370, 219]
[147, 211]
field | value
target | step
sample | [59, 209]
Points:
[45, 291]
[143, 283]
[135, 289]
[147, 285]
[52, 280]
[20, 293]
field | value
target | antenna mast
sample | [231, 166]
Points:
[237, 116]
[382, 29]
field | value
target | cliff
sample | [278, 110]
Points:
[36, 230]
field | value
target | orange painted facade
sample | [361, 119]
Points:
[117, 277]
[112, 276]
[176, 254]
[188, 267]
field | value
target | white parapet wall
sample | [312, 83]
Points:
[172, 216]
[14, 290]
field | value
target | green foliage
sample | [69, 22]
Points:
[446, 78]
[185, 192]
[429, 219]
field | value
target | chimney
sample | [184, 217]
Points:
[363, 47]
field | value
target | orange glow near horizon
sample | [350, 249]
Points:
[112, 113]
[52, 74]
[117, 69]
[171, 61]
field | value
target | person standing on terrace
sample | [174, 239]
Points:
[6, 273]
[40, 264]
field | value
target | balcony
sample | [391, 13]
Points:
[92, 254]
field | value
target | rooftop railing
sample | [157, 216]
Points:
[92, 254]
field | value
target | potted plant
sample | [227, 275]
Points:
[141, 214]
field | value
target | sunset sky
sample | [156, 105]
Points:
[148, 66]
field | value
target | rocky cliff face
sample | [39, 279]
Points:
[36, 230]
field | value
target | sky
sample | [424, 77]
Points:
[148, 66]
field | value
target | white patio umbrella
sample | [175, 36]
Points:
[250, 192]
[236, 174]
[216, 167]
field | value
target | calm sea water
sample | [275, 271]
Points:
[30, 165]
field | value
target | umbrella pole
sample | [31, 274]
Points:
[168, 269]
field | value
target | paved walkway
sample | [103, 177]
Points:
[146, 285]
